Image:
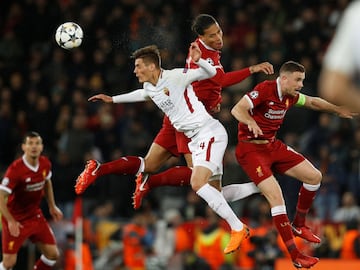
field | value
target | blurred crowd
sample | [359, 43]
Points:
[45, 88]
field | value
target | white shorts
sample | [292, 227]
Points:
[208, 147]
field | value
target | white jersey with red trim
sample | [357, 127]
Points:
[175, 96]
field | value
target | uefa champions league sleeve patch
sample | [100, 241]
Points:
[254, 94]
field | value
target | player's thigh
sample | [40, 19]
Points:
[155, 158]
[305, 172]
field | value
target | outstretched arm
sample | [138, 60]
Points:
[338, 88]
[319, 104]
[234, 77]
[134, 96]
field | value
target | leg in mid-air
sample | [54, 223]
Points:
[180, 176]
[311, 178]
[272, 191]
[131, 165]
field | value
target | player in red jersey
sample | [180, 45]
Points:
[260, 114]
[169, 142]
[25, 183]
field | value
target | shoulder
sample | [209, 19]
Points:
[16, 164]
[265, 88]
[44, 161]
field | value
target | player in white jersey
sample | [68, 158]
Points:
[341, 66]
[172, 92]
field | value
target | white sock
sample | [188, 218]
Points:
[142, 166]
[236, 192]
[47, 261]
[217, 202]
[2, 266]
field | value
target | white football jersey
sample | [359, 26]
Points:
[175, 96]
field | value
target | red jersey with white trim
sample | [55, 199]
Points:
[208, 91]
[25, 184]
[268, 108]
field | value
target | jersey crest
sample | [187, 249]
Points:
[259, 171]
[166, 91]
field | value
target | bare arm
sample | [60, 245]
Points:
[241, 112]
[319, 104]
[13, 225]
[338, 88]
[54, 211]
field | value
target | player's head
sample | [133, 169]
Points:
[32, 144]
[208, 30]
[292, 75]
[147, 61]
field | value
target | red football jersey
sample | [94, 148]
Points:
[208, 91]
[25, 183]
[268, 108]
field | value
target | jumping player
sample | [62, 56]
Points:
[260, 114]
[169, 142]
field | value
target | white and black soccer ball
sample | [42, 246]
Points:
[69, 35]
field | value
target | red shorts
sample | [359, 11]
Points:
[36, 230]
[172, 140]
[260, 161]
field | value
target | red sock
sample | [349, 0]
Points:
[176, 176]
[40, 265]
[282, 224]
[305, 200]
[124, 165]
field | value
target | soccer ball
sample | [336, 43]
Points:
[69, 35]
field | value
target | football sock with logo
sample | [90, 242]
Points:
[306, 197]
[176, 176]
[44, 263]
[124, 165]
[283, 226]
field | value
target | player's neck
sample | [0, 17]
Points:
[33, 161]
[155, 76]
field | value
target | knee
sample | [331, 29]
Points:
[9, 262]
[195, 186]
[316, 177]
[52, 254]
